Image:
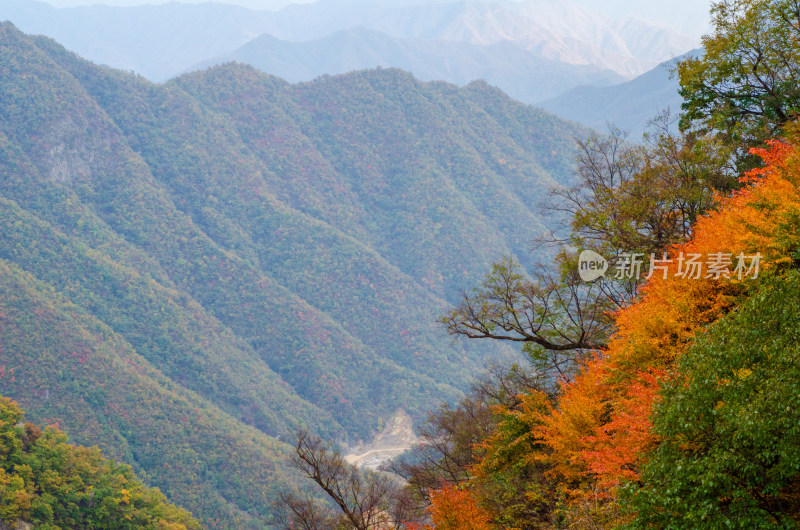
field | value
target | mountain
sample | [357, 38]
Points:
[157, 41]
[522, 74]
[549, 37]
[553, 29]
[690, 17]
[190, 271]
[629, 106]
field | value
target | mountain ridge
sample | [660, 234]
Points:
[162, 41]
[629, 106]
[200, 267]
[521, 73]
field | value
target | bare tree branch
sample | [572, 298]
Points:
[367, 499]
[556, 315]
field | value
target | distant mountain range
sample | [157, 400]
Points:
[522, 74]
[553, 29]
[629, 106]
[191, 270]
[533, 49]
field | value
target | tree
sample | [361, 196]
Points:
[642, 198]
[447, 447]
[367, 500]
[455, 509]
[600, 433]
[300, 509]
[484, 445]
[511, 479]
[628, 200]
[746, 85]
[729, 422]
[550, 313]
[48, 483]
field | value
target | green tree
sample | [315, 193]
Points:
[730, 424]
[746, 85]
[51, 484]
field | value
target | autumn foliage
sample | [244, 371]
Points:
[45, 482]
[577, 451]
[453, 508]
[599, 431]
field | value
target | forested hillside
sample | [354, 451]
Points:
[48, 483]
[190, 271]
[658, 381]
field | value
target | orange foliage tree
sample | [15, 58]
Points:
[598, 432]
[454, 508]
[574, 452]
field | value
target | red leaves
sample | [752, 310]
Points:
[454, 509]
[599, 431]
[619, 446]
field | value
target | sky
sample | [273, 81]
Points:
[687, 16]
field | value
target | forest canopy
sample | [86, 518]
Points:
[681, 411]
[48, 483]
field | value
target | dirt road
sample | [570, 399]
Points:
[395, 439]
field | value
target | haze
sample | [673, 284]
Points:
[687, 16]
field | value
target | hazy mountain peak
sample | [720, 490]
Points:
[160, 41]
[629, 105]
[524, 74]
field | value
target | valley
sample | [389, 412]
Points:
[230, 255]
[324, 264]
[396, 438]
